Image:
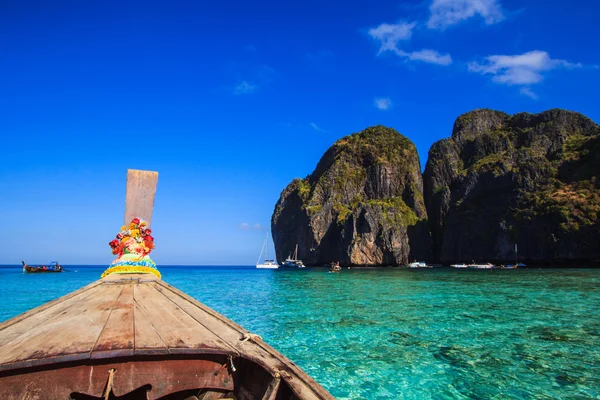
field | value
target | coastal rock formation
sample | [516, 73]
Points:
[363, 205]
[526, 179]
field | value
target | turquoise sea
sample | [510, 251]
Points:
[396, 333]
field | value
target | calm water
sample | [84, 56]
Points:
[403, 333]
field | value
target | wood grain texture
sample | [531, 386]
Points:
[139, 198]
[117, 336]
[173, 325]
[74, 330]
[135, 316]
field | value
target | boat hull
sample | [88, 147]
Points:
[267, 266]
[143, 339]
[33, 270]
[481, 266]
[293, 264]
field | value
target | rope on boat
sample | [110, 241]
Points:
[109, 383]
[250, 336]
[231, 362]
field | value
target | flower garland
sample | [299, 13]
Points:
[134, 238]
[132, 245]
[131, 270]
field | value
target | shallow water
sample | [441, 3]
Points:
[398, 333]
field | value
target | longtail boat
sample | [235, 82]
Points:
[130, 335]
[54, 266]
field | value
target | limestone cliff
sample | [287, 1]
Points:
[526, 179]
[363, 205]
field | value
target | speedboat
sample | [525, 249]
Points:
[335, 267]
[513, 266]
[480, 266]
[418, 264]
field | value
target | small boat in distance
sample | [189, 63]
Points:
[419, 264]
[513, 266]
[475, 265]
[266, 264]
[458, 266]
[292, 261]
[335, 267]
[54, 266]
[517, 264]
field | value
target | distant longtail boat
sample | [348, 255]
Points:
[54, 266]
[130, 335]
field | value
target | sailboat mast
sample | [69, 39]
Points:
[267, 246]
[265, 249]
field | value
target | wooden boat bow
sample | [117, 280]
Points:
[133, 336]
[150, 333]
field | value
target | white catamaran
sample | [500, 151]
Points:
[266, 264]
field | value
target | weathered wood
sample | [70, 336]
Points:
[117, 337]
[73, 331]
[137, 317]
[139, 198]
[12, 328]
[174, 326]
[271, 393]
[175, 375]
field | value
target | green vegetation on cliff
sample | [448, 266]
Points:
[372, 176]
[526, 176]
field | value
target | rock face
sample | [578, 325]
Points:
[362, 206]
[526, 179]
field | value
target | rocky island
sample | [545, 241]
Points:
[526, 179]
[498, 181]
[363, 204]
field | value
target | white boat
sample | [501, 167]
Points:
[266, 264]
[458, 266]
[480, 266]
[418, 264]
[292, 261]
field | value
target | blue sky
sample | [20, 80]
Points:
[230, 101]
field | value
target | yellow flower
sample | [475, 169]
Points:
[143, 223]
[131, 270]
[135, 233]
[132, 226]
[124, 228]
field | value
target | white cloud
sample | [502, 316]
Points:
[244, 226]
[383, 103]
[525, 91]
[316, 127]
[245, 87]
[522, 69]
[430, 56]
[257, 227]
[390, 34]
[449, 12]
